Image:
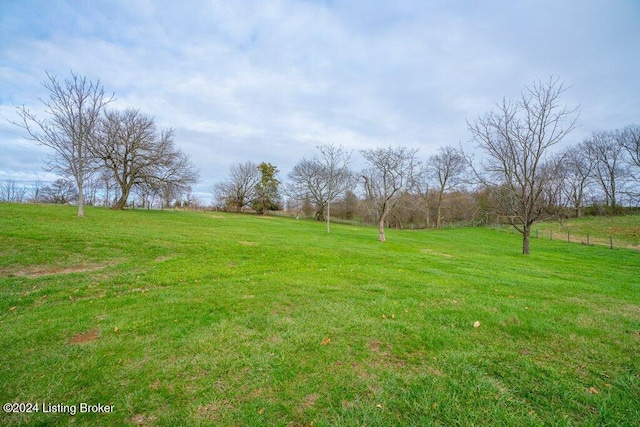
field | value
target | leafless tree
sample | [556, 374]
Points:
[130, 146]
[92, 186]
[391, 173]
[109, 186]
[73, 109]
[36, 192]
[630, 140]
[577, 174]
[239, 190]
[308, 182]
[609, 164]
[322, 180]
[423, 188]
[11, 192]
[445, 168]
[516, 139]
[62, 191]
[335, 161]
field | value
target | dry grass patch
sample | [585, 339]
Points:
[36, 271]
[85, 337]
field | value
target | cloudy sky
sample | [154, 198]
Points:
[272, 80]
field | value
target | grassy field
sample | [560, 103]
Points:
[624, 230]
[183, 318]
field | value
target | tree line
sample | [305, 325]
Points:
[118, 150]
[519, 178]
[521, 175]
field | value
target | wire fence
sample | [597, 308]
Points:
[584, 239]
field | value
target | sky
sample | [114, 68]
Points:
[272, 80]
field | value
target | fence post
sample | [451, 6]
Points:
[550, 234]
[536, 233]
[611, 242]
[568, 237]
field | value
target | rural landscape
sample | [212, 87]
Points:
[319, 213]
[264, 308]
[206, 318]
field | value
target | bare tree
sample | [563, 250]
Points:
[610, 168]
[630, 140]
[516, 139]
[239, 190]
[130, 146]
[36, 192]
[322, 180]
[309, 182]
[446, 168]
[577, 172]
[73, 109]
[62, 191]
[424, 191]
[391, 173]
[10, 192]
[335, 161]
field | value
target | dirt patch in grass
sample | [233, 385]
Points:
[141, 420]
[84, 337]
[310, 400]
[35, 271]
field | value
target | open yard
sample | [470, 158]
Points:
[185, 318]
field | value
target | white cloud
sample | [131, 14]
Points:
[270, 80]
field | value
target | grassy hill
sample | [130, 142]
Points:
[624, 230]
[183, 318]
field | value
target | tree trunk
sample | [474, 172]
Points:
[428, 217]
[122, 201]
[381, 230]
[328, 214]
[80, 199]
[439, 219]
[526, 235]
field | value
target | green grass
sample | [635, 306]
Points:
[183, 318]
[624, 230]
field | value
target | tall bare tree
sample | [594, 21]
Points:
[239, 190]
[335, 161]
[322, 180]
[135, 152]
[308, 182]
[609, 164]
[577, 174]
[630, 140]
[517, 138]
[391, 173]
[73, 109]
[446, 168]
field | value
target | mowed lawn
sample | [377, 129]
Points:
[187, 318]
